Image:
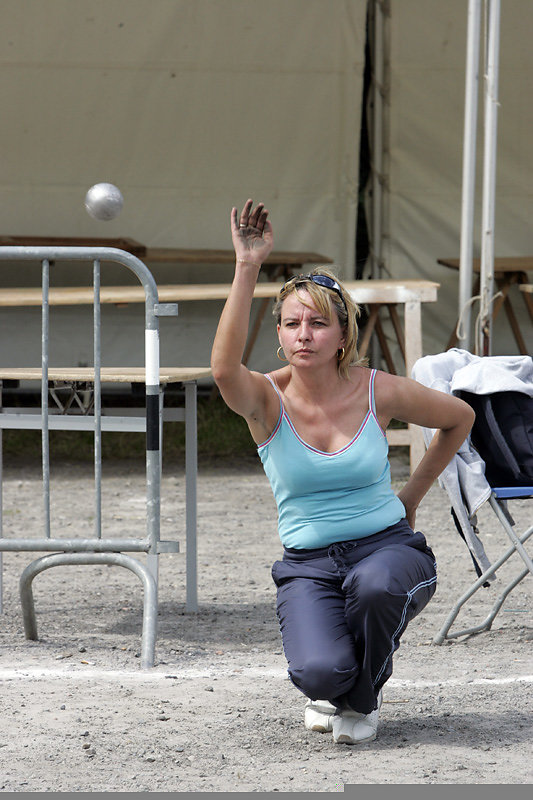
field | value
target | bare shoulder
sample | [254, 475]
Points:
[359, 374]
[386, 384]
[281, 378]
[390, 393]
[405, 399]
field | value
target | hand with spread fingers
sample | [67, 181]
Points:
[251, 233]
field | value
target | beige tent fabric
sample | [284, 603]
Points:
[189, 107]
[427, 89]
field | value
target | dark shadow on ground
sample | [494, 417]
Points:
[488, 727]
[234, 623]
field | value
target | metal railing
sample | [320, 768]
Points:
[96, 549]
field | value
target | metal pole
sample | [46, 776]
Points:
[377, 140]
[1, 506]
[489, 178]
[45, 331]
[377, 157]
[469, 171]
[191, 470]
[153, 452]
[97, 404]
[149, 629]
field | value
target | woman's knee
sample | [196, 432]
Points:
[387, 594]
[399, 572]
[320, 678]
[370, 588]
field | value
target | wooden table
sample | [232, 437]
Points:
[121, 242]
[373, 293]
[507, 272]
[108, 374]
[280, 263]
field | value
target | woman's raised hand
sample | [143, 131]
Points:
[251, 233]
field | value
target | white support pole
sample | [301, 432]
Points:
[377, 140]
[378, 91]
[469, 171]
[489, 178]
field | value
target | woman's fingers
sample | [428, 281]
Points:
[245, 214]
[253, 217]
[256, 215]
[262, 221]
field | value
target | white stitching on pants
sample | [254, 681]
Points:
[402, 620]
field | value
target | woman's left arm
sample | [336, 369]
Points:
[409, 401]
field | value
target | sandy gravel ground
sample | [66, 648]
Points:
[217, 712]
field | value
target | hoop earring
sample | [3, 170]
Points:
[278, 354]
[340, 354]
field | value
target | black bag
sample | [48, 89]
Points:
[503, 436]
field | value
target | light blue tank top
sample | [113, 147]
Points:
[324, 498]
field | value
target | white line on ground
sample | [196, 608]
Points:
[152, 676]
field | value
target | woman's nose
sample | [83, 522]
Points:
[304, 332]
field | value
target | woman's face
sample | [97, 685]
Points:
[308, 338]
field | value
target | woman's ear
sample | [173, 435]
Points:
[344, 335]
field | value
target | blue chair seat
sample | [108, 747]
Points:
[512, 492]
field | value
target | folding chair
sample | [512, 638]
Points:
[498, 500]
[494, 464]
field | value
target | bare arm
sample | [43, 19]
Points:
[409, 401]
[244, 391]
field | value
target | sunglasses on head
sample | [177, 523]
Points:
[322, 280]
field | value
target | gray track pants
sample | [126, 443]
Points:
[343, 608]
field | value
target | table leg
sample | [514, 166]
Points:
[413, 351]
[374, 324]
[397, 328]
[368, 330]
[385, 347]
[513, 322]
[528, 300]
[191, 472]
[504, 285]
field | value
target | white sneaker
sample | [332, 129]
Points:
[350, 727]
[318, 716]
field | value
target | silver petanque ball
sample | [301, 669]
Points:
[104, 201]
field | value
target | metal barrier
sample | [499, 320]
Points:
[97, 549]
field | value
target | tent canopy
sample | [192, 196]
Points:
[192, 107]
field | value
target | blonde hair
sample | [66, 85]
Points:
[326, 301]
